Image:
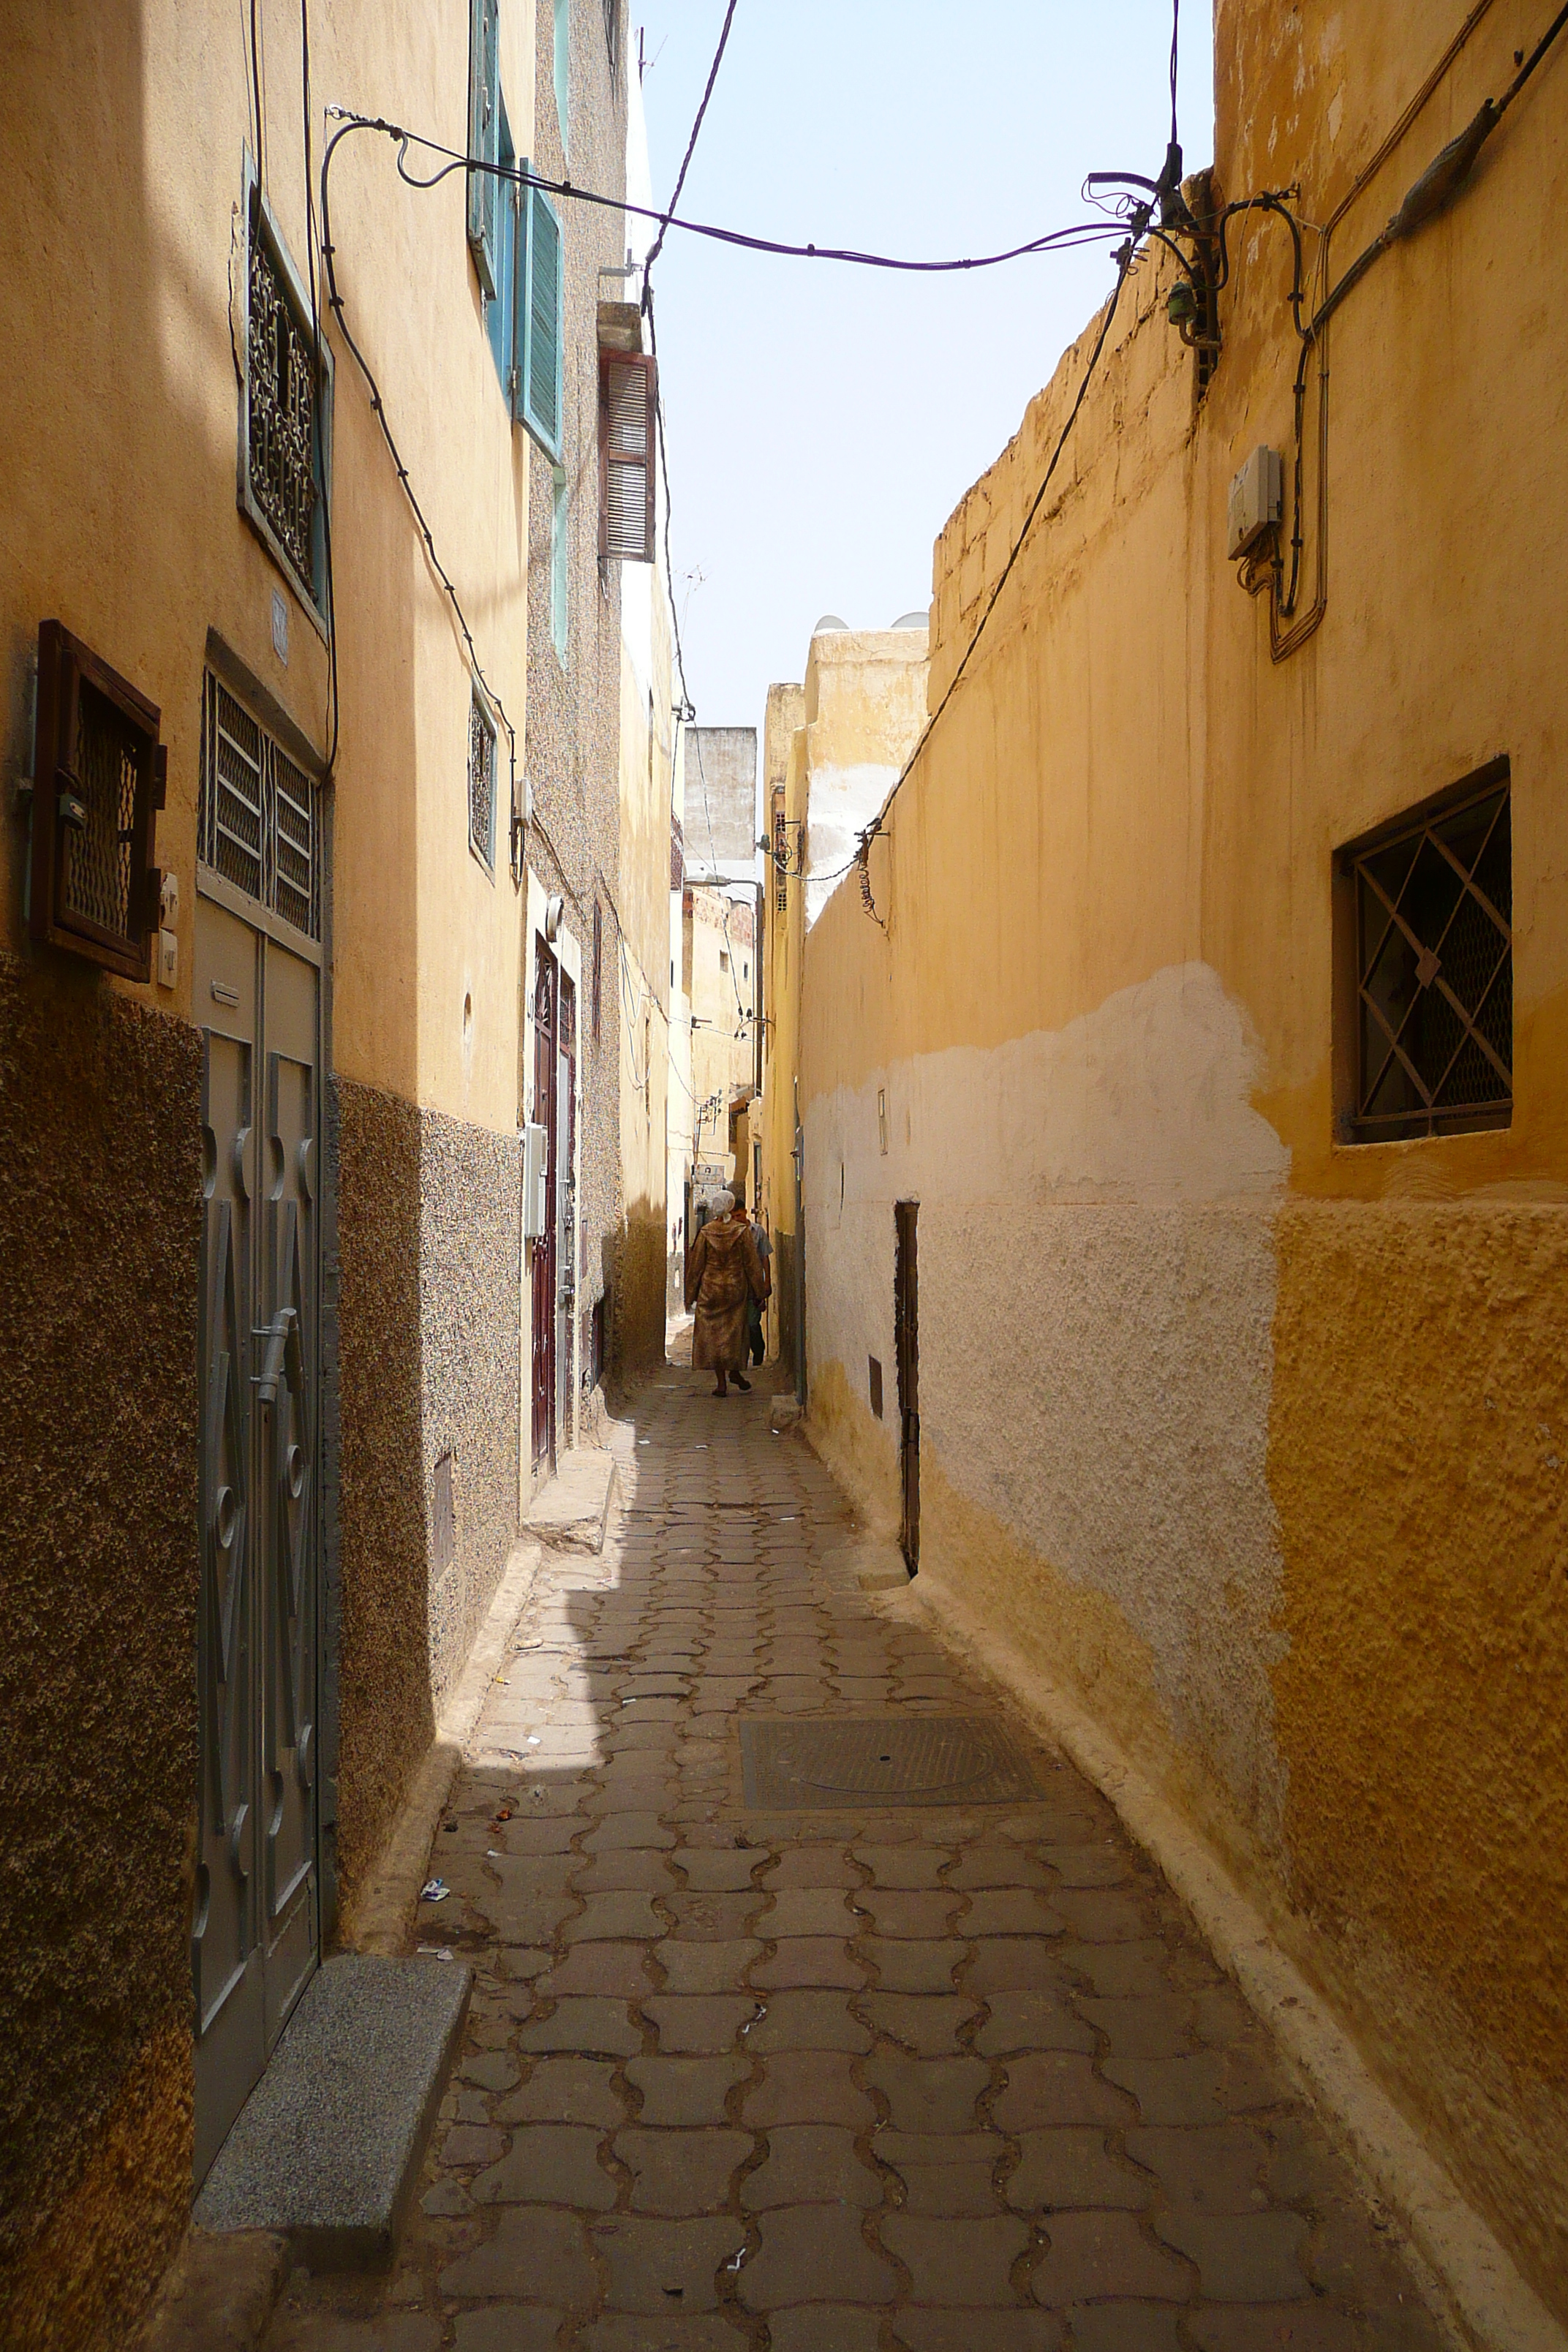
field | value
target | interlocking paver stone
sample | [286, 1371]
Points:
[682, 2172]
[534, 2254]
[884, 2079]
[549, 2164]
[928, 2094]
[1098, 2255]
[564, 2090]
[810, 2161]
[815, 2253]
[582, 2023]
[964, 2262]
[1031, 2020]
[685, 2092]
[696, 2023]
[654, 2265]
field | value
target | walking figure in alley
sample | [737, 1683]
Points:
[723, 1275]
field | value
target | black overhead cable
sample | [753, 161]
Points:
[1051, 241]
[319, 421]
[1124, 265]
[335, 302]
[658, 244]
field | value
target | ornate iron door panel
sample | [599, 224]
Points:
[542, 1297]
[285, 1481]
[254, 1928]
[225, 1957]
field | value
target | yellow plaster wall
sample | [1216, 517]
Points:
[1325, 1615]
[641, 956]
[124, 133]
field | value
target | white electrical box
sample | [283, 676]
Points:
[1256, 500]
[535, 1144]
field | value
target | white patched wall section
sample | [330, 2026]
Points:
[1097, 1292]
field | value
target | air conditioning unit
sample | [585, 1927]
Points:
[1257, 500]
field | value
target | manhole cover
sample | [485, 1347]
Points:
[792, 1766]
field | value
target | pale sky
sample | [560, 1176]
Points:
[824, 421]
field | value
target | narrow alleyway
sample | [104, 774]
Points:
[877, 2075]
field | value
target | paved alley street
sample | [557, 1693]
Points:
[842, 2079]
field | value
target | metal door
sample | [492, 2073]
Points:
[907, 1338]
[255, 1934]
[543, 1264]
[566, 1189]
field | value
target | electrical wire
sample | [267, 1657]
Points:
[1052, 241]
[318, 421]
[875, 827]
[1175, 52]
[378, 408]
[658, 245]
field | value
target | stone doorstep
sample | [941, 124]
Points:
[327, 2149]
[570, 1511]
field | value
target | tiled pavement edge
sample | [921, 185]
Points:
[844, 2081]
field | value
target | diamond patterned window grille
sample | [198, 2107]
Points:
[481, 782]
[260, 817]
[1434, 915]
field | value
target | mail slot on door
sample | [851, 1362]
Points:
[536, 1147]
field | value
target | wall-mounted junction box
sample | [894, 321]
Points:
[1256, 500]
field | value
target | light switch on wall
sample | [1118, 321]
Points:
[168, 958]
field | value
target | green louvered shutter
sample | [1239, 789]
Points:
[540, 375]
[484, 134]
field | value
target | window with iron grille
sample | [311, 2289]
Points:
[1425, 909]
[99, 777]
[284, 412]
[258, 819]
[481, 782]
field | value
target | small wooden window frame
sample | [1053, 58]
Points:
[65, 666]
[646, 460]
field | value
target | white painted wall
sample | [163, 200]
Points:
[1096, 1279]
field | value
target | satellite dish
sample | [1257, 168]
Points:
[829, 621]
[912, 620]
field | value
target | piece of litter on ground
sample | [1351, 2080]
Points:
[434, 1952]
[435, 1890]
[494, 1853]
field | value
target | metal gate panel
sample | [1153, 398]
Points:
[254, 1931]
[287, 1481]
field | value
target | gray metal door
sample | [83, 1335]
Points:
[255, 1934]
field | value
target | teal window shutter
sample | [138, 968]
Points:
[484, 135]
[542, 322]
[501, 307]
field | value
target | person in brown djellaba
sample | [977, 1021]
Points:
[723, 1275]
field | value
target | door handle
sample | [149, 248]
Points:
[276, 1335]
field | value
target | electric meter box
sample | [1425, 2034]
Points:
[1256, 500]
[535, 1145]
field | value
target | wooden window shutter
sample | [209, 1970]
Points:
[99, 778]
[484, 134]
[628, 425]
[541, 400]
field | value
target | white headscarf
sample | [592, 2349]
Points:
[720, 1203]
